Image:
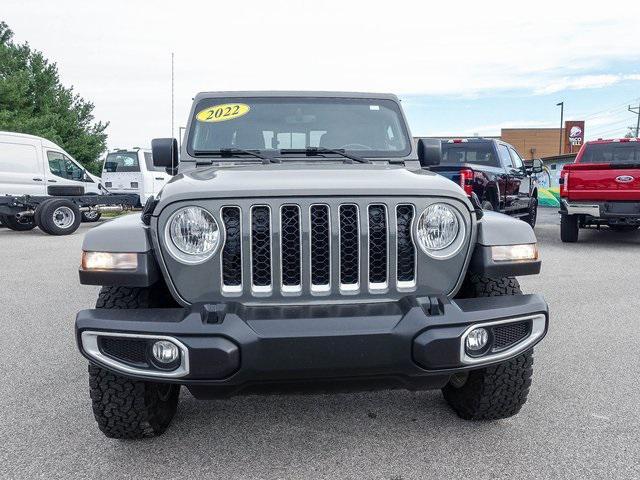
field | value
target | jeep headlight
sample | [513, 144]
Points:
[192, 235]
[440, 230]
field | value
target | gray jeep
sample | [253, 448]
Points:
[304, 245]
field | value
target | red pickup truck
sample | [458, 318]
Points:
[602, 187]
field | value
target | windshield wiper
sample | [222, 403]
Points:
[310, 151]
[234, 152]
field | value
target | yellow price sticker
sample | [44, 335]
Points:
[223, 112]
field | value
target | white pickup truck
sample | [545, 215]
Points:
[132, 172]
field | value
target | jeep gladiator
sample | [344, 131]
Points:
[601, 188]
[301, 246]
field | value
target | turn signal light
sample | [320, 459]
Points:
[109, 261]
[515, 253]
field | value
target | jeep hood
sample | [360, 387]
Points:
[308, 180]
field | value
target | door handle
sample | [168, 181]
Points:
[159, 178]
[37, 179]
[53, 181]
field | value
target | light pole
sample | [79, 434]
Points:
[561, 105]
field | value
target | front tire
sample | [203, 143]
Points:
[492, 393]
[126, 408]
[497, 391]
[569, 228]
[131, 409]
[532, 215]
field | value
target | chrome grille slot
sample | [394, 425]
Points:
[349, 248]
[261, 280]
[231, 257]
[280, 249]
[320, 232]
[406, 256]
[291, 248]
[378, 247]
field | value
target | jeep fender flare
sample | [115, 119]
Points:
[126, 234]
[497, 229]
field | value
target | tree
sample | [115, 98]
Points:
[32, 100]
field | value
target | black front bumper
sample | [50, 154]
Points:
[412, 343]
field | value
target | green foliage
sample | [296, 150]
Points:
[32, 100]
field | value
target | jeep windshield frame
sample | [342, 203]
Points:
[372, 128]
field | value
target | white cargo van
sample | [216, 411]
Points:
[42, 185]
[132, 171]
[31, 165]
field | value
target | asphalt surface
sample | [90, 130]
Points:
[582, 419]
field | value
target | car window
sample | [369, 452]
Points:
[481, 153]
[121, 162]
[373, 127]
[148, 160]
[62, 166]
[505, 157]
[618, 152]
[516, 160]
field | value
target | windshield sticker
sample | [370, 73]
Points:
[223, 112]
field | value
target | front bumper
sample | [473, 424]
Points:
[411, 343]
[609, 212]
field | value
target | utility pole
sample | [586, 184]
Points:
[561, 105]
[636, 111]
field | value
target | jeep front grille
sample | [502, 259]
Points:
[341, 249]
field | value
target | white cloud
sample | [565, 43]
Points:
[117, 53]
[579, 82]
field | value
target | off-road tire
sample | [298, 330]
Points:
[48, 210]
[494, 392]
[131, 409]
[497, 391]
[91, 219]
[126, 408]
[476, 286]
[23, 225]
[532, 214]
[569, 228]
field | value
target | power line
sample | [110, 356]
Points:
[607, 110]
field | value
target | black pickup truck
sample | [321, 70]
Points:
[495, 172]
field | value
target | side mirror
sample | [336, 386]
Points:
[429, 152]
[534, 166]
[165, 154]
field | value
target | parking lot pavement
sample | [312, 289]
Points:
[582, 419]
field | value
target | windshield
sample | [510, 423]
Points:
[121, 162]
[368, 127]
[623, 152]
[471, 152]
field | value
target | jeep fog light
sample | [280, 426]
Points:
[515, 253]
[109, 261]
[165, 351]
[476, 340]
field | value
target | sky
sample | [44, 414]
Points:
[460, 68]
